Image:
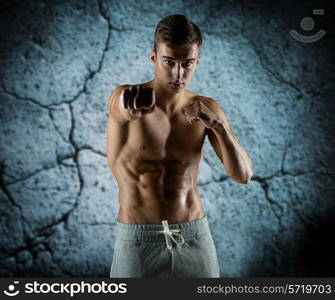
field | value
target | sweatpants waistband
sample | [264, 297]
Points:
[153, 232]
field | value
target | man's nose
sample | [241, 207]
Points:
[178, 71]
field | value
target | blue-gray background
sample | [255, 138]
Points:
[59, 62]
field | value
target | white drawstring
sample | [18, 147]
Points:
[169, 235]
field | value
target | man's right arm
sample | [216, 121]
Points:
[138, 102]
[130, 102]
[116, 126]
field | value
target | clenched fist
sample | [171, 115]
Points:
[198, 111]
[138, 100]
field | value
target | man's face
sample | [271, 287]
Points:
[174, 66]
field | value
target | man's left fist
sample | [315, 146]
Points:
[198, 111]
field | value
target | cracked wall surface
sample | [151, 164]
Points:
[60, 60]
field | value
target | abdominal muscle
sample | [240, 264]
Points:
[156, 190]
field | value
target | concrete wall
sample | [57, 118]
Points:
[59, 62]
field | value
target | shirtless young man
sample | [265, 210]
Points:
[155, 137]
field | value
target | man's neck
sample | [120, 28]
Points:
[169, 102]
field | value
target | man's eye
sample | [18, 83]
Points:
[169, 62]
[188, 64]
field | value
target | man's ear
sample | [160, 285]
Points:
[198, 59]
[153, 57]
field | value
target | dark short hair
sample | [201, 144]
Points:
[177, 30]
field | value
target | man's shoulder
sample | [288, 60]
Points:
[207, 100]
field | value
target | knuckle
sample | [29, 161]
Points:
[136, 102]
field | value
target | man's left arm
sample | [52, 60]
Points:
[236, 162]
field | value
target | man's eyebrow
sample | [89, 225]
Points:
[172, 58]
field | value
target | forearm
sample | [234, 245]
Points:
[237, 163]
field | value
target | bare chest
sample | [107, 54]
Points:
[157, 136]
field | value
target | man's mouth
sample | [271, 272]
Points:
[176, 84]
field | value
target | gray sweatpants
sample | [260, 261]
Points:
[168, 250]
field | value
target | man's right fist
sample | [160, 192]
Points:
[138, 100]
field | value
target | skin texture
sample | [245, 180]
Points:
[155, 138]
